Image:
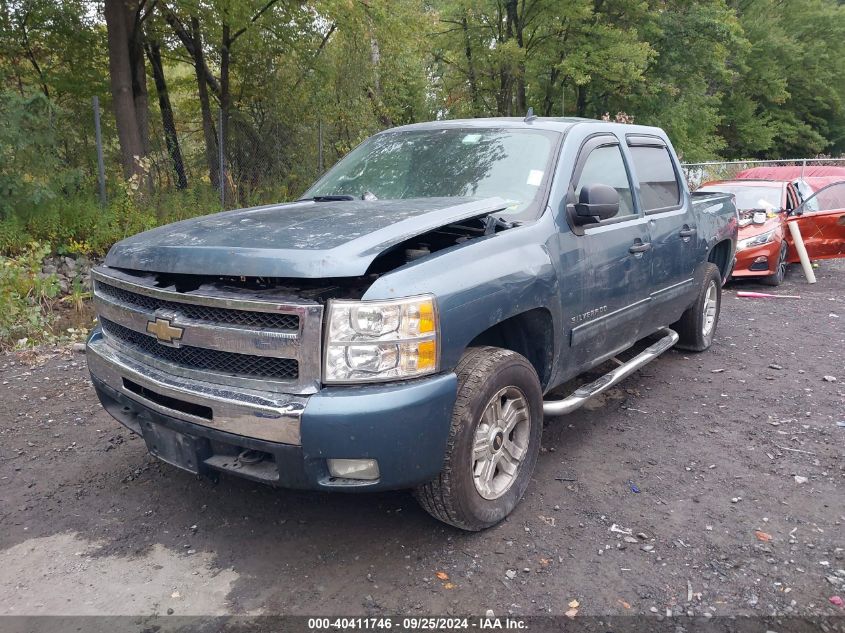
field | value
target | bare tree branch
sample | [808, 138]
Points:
[242, 30]
[188, 41]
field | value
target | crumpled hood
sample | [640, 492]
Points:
[301, 239]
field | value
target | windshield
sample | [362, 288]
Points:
[768, 198]
[453, 162]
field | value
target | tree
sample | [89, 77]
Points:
[127, 73]
[168, 122]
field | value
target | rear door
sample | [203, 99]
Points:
[821, 219]
[671, 223]
[619, 258]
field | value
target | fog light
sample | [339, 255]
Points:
[353, 468]
[761, 260]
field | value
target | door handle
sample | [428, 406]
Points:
[687, 232]
[640, 247]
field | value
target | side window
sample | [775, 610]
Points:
[605, 166]
[831, 198]
[809, 203]
[659, 186]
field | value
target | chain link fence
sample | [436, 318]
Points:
[699, 173]
[257, 160]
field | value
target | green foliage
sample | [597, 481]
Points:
[78, 225]
[725, 78]
[30, 170]
[25, 295]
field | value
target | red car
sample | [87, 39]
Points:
[765, 248]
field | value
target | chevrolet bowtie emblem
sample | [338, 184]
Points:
[164, 331]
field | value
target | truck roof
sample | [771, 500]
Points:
[556, 124]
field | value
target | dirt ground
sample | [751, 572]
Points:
[736, 454]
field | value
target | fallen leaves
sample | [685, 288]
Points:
[442, 575]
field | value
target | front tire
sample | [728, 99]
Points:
[780, 273]
[698, 324]
[493, 443]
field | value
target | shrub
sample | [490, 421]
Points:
[25, 296]
[79, 225]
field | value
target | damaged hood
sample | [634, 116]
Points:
[302, 239]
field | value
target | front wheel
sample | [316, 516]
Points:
[698, 324]
[779, 275]
[494, 441]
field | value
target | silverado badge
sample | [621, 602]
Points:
[164, 331]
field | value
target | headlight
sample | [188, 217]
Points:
[757, 240]
[372, 341]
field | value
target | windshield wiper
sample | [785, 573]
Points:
[367, 195]
[332, 198]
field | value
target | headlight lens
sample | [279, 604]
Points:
[372, 341]
[757, 240]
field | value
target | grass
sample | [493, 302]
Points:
[79, 225]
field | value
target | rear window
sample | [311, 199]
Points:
[659, 186]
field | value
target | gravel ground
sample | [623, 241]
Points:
[736, 454]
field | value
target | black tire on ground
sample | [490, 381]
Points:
[777, 278]
[697, 326]
[452, 496]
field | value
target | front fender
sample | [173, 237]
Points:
[481, 283]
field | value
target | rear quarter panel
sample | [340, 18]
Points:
[718, 222]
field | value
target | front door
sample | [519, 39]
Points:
[618, 253]
[821, 219]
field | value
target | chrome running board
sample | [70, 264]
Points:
[617, 375]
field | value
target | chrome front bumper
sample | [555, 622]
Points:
[254, 414]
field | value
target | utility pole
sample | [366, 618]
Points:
[101, 170]
[222, 170]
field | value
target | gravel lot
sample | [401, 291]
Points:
[737, 455]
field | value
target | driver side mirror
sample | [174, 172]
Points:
[596, 203]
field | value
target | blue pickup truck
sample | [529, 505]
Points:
[400, 325]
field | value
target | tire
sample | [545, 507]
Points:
[777, 278]
[697, 327]
[456, 496]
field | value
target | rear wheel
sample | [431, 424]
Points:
[493, 443]
[777, 278]
[698, 324]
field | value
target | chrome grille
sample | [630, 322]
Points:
[201, 312]
[204, 359]
[261, 340]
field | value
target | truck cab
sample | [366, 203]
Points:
[400, 325]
